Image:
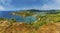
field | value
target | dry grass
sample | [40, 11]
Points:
[18, 27]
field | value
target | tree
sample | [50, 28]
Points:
[12, 20]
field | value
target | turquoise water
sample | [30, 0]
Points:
[7, 14]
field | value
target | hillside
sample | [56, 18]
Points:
[48, 23]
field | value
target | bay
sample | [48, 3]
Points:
[7, 14]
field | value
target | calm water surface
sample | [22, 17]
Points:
[7, 14]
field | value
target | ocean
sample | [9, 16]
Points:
[7, 14]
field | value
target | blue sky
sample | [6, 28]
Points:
[29, 4]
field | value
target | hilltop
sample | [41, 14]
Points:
[48, 23]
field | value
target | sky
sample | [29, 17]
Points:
[29, 4]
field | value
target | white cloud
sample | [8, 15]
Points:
[2, 8]
[50, 6]
[45, 6]
[56, 1]
[5, 2]
[54, 5]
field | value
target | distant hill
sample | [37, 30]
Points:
[48, 11]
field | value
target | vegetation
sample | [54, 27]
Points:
[3, 19]
[51, 16]
[12, 20]
[24, 14]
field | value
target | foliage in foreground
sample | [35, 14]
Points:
[41, 21]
